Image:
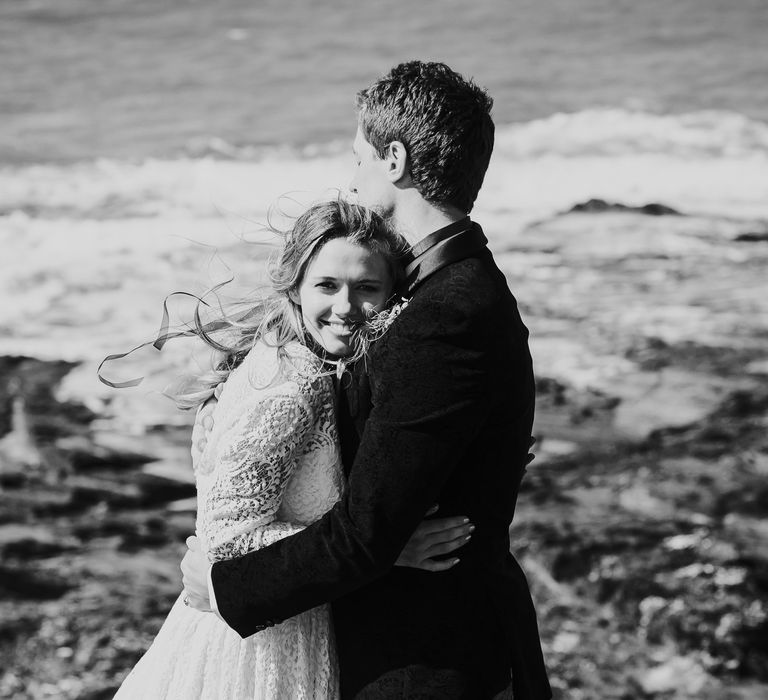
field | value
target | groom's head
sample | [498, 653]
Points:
[433, 122]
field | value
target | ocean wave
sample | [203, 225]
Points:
[599, 131]
[183, 187]
[700, 161]
[613, 132]
[220, 149]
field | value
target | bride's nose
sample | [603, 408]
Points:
[342, 303]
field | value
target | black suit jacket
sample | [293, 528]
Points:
[452, 397]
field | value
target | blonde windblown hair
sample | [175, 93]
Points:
[275, 318]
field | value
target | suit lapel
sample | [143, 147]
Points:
[454, 248]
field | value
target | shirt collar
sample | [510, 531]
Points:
[435, 237]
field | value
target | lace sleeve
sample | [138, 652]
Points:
[257, 457]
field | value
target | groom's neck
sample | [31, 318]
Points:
[415, 220]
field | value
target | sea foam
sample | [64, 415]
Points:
[714, 162]
[91, 249]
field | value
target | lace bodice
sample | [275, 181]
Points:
[265, 452]
[266, 457]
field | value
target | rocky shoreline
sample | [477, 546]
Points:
[90, 541]
[650, 558]
[642, 524]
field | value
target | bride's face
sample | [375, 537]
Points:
[342, 285]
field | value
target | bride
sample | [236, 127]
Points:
[266, 457]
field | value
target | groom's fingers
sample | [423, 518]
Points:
[194, 570]
[197, 602]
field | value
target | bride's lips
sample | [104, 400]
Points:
[341, 329]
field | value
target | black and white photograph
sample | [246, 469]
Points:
[357, 350]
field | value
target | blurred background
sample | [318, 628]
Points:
[142, 146]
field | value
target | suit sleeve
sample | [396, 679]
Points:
[428, 405]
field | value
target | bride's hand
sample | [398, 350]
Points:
[441, 536]
[433, 538]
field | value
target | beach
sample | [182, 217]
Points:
[626, 202]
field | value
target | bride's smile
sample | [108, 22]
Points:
[344, 283]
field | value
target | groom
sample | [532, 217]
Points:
[450, 414]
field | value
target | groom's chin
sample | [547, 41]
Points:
[386, 213]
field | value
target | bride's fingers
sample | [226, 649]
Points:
[442, 528]
[435, 565]
[449, 546]
[434, 537]
[447, 534]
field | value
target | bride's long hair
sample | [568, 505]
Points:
[275, 319]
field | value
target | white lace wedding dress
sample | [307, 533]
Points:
[267, 463]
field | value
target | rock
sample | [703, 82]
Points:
[664, 399]
[565, 642]
[28, 541]
[12, 474]
[183, 505]
[27, 583]
[176, 471]
[679, 674]
[34, 381]
[752, 530]
[600, 206]
[161, 482]
[752, 237]
[17, 447]
[638, 499]
[87, 491]
[86, 455]
[757, 367]
[542, 579]
[17, 622]
[548, 449]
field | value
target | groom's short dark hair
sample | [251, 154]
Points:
[444, 122]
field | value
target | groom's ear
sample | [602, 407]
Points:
[396, 158]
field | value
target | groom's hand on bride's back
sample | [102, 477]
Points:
[441, 536]
[435, 538]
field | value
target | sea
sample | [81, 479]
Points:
[146, 146]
